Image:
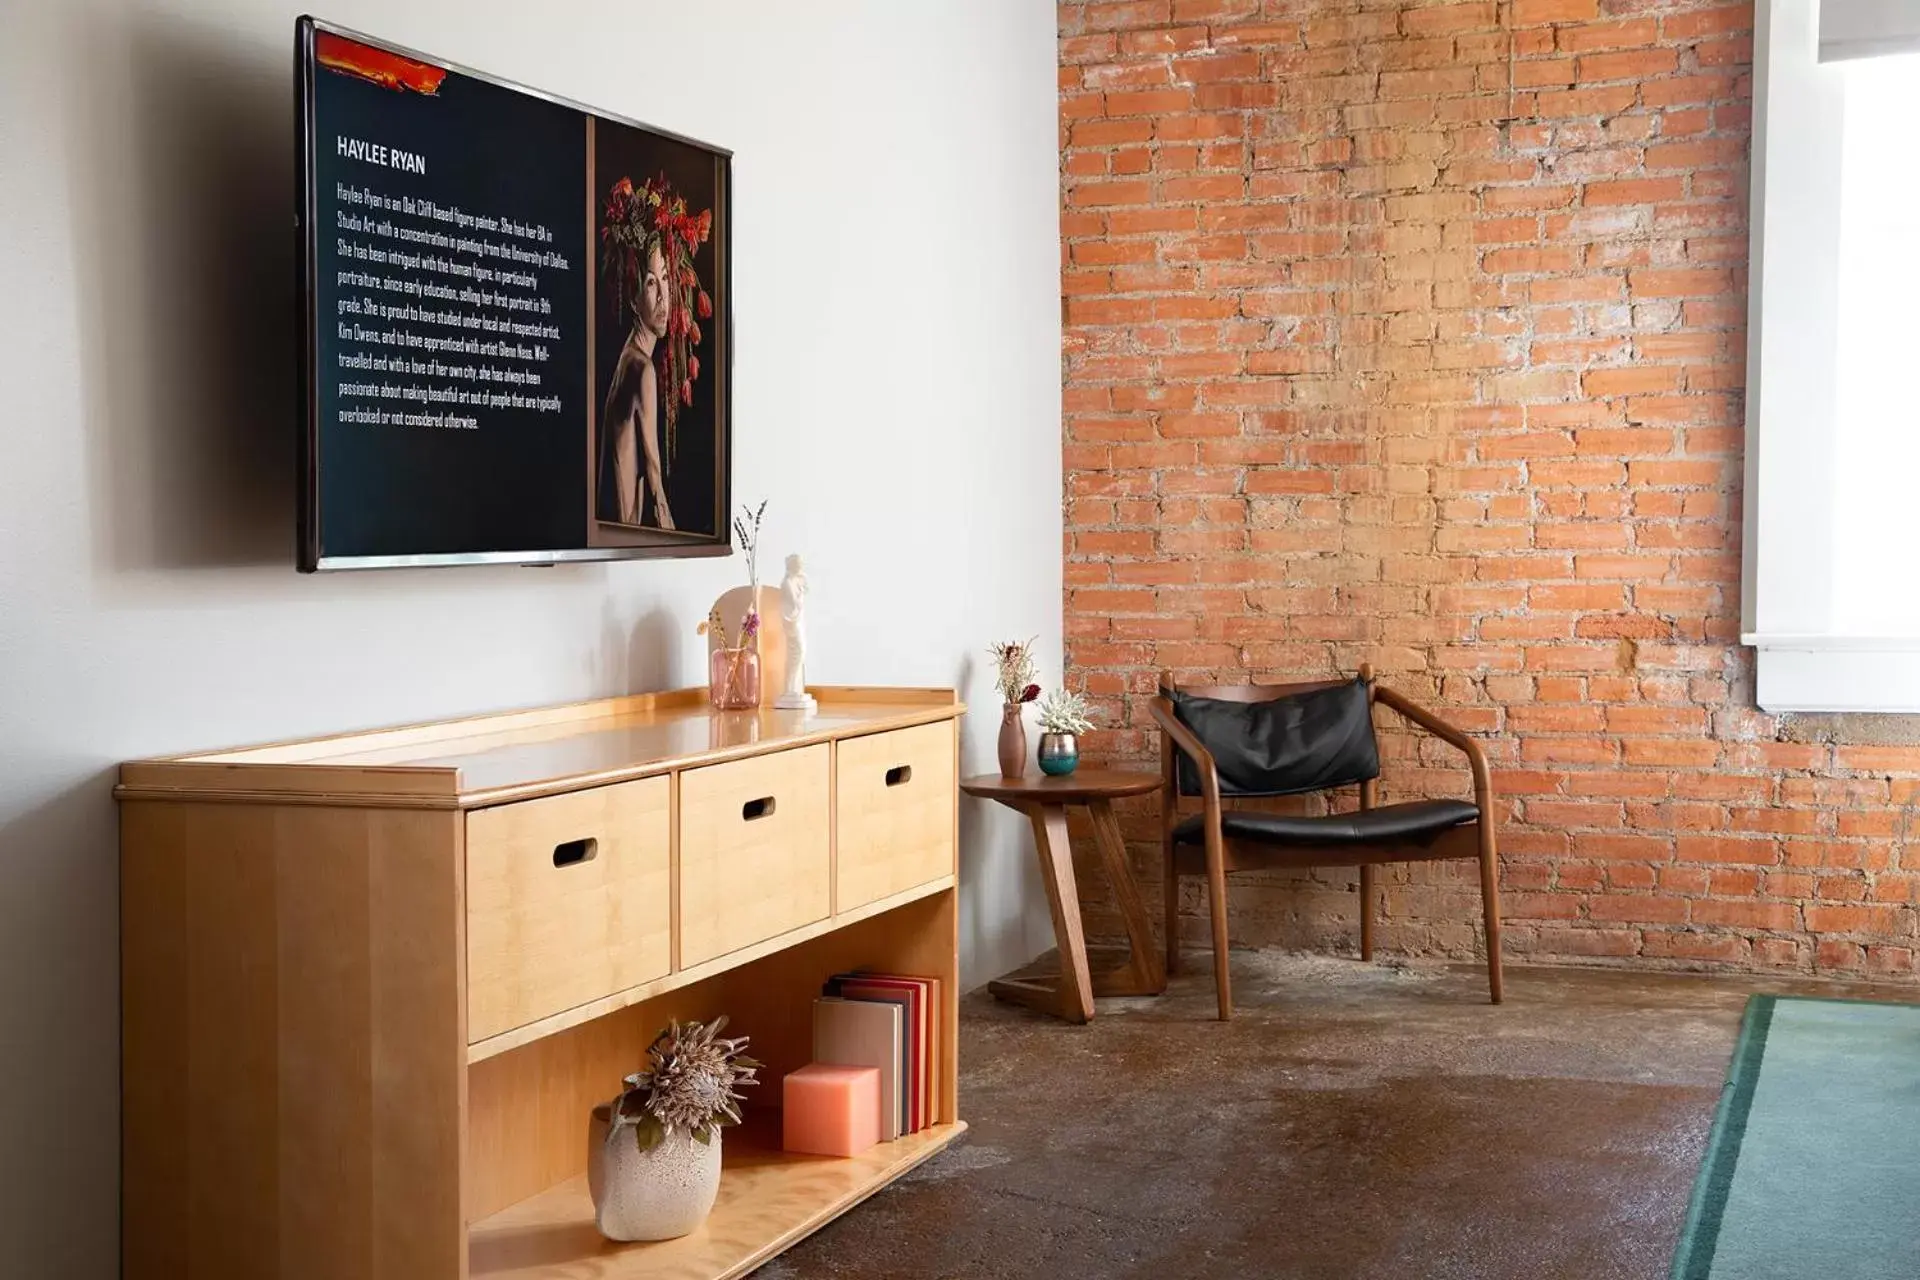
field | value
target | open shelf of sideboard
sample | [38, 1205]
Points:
[529, 1213]
[768, 1200]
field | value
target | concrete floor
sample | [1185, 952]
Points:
[1353, 1121]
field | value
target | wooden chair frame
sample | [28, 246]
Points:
[1218, 855]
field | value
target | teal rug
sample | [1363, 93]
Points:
[1813, 1164]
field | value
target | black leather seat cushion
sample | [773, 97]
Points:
[1408, 821]
[1282, 746]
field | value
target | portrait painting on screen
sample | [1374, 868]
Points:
[660, 435]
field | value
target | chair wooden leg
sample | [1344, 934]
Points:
[1490, 903]
[1366, 911]
[1170, 889]
[1369, 792]
[1217, 907]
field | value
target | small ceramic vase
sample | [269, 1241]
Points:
[733, 679]
[1059, 754]
[1013, 741]
[657, 1194]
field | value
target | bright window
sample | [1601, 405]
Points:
[1831, 601]
[1877, 419]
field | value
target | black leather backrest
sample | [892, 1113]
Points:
[1284, 746]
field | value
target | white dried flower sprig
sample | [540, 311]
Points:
[1015, 675]
[1065, 712]
[689, 1085]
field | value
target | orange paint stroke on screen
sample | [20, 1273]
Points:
[388, 70]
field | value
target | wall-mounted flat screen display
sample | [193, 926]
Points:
[515, 321]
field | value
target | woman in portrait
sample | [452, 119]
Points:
[648, 242]
[630, 422]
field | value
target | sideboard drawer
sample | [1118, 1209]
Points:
[568, 900]
[753, 850]
[895, 798]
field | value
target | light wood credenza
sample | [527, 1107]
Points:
[373, 984]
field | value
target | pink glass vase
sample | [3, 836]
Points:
[733, 679]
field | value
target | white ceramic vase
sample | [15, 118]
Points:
[656, 1194]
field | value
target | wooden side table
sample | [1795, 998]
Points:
[1044, 800]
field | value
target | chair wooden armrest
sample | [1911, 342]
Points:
[1416, 714]
[1182, 737]
[1411, 711]
[1177, 737]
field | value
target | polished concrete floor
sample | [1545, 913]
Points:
[1353, 1121]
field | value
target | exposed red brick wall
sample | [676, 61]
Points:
[1413, 334]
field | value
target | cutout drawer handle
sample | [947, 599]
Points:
[572, 853]
[899, 775]
[756, 808]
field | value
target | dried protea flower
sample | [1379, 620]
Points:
[689, 1085]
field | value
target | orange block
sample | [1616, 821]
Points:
[831, 1110]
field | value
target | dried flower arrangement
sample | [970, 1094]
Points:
[1014, 659]
[749, 627]
[689, 1085]
[1065, 712]
[746, 528]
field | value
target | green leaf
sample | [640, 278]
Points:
[647, 1134]
[703, 1135]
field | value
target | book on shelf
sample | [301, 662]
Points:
[863, 1033]
[916, 1055]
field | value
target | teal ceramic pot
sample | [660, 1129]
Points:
[1059, 753]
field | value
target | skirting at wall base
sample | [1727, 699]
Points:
[1836, 673]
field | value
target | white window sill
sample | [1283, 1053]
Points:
[1836, 673]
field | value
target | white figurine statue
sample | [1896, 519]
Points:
[793, 607]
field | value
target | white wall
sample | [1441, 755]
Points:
[897, 399]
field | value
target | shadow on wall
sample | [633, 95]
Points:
[183, 197]
[60, 1078]
[640, 657]
[997, 866]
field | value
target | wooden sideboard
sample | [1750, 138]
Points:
[373, 984]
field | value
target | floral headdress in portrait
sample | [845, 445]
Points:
[636, 222]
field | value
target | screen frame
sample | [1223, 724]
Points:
[675, 545]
